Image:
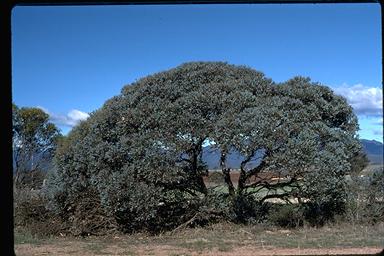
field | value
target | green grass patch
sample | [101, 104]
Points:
[96, 247]
[25, 237]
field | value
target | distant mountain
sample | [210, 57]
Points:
[211, 155]
[374, 150]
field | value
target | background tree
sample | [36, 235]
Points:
[34, 141]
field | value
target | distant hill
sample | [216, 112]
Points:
[374, 150]
[211, 156]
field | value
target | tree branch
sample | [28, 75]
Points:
[185, 160]
[279, 196]
[265, 184]
[226, 173]
[245, 161]
[257, 169]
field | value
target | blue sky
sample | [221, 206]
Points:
[70, 60]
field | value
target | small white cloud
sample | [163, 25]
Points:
[378, 121]
[71, 119]
[75, 114]
[365, 100]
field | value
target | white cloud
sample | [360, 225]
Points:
[71, 119]
[367, 101]
[378, 121]
[77, 115]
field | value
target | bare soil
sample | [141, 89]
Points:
[219, 239]
[79, 248]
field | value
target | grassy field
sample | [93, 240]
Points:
[218, 239]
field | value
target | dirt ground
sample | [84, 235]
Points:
[218, 239]
[78, 248]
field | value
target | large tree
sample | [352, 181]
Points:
[34, 141]
[141, 153]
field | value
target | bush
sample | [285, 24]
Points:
[318, 214]
[30, 179]
[325, 190]
[153, 210]
[89, 217]
[214, 207]
[365, 197]
[32, 216]
[286, 215]
[248, 210]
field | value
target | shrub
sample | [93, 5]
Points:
[319, 214]
[365, 197]
[214, 207]
[248, 210]
[32, 216]
[286, 215]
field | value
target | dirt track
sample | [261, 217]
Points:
[79, 248]
[217, 239]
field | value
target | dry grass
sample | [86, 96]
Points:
[218, 239]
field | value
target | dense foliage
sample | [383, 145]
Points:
[140, 155]
[366, 196]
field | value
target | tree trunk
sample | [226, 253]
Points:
[227, 176]
[241, 182]
[195, 152]
[245, 175]
[228, 181]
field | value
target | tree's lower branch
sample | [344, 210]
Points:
[283, 196]
[257, 169]
[267, 185]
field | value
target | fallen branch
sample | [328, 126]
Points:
[185, 224]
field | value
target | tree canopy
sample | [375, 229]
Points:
[34, 140]
[142, 151]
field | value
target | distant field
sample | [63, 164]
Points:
[215, 180]
[215, 177]
[218, 239]
[371, 168]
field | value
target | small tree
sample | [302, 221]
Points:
[34, 141]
